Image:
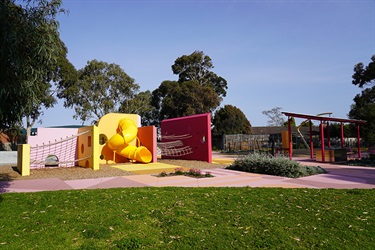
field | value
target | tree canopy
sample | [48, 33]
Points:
[100, 88]
[29, 50]
[363, 107]
[198, 89]
[230, 120]
[140, 104]
[364, 75]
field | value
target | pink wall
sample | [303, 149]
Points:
[187, 138]
[66, 151]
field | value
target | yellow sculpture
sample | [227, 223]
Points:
[120, 143]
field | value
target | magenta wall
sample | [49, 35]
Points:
[187, 138]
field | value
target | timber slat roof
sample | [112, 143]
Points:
[322, 118]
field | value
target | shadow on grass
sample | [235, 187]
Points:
[5, 179]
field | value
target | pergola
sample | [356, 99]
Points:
[323, 119]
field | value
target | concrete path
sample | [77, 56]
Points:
[338, 177]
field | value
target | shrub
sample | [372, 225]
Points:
[192, 173]
[280, 166]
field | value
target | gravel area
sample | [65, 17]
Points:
[8, 173]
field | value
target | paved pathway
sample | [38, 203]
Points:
[339, 177]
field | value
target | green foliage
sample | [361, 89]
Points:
[140, 104]
[364, 75]
[364, 109]
[197, 91]
[230, 120]
[29, 50]
[279, 166]
[292, 122]
[189, 218]
[100, 89]
[335, 130]
[364, 103]
[197, 173]
[364, 162]
[196, 67]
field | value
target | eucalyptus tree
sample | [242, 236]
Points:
[30, 48]
[140, 104]
[100, 88]
[363, 107]
[198, 89]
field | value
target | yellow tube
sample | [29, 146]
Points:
[127, 132]
[140, 154]
[116, 141]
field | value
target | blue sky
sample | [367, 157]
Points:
[297, 54]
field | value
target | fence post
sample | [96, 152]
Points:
[23, 159]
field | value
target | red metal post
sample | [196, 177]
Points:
[328, 135]
[359, 141]
[311, 141]
[342, 135]
[290, 139]
[322, 141]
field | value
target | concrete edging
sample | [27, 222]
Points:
[8, 157]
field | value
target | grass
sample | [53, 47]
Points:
[188, 218]
[279, 166]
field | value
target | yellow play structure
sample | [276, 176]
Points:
[89, 146]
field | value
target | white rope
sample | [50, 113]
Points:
[177, 151]
[65, 151]
[175, 137]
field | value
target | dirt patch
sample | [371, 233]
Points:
[8, 173]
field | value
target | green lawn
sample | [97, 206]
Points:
[189, 218]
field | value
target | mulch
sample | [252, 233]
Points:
[9, 172]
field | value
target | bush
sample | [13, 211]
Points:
[279, 166]
[192, 173]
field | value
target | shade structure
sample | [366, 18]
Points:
[324, 119]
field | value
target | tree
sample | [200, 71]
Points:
[100, 89]
[364, 103]
[292, 123]
[230, 120]
[275, 117]
[140, 104]
[62, 72]
[363, 76]
[196, 67]
[364, 109]
[29, 50]
[198, 90]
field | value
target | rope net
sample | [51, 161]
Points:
[175, 148]
[62, 153]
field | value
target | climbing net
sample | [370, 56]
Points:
[176, 147]
[60, 153]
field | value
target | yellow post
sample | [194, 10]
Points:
[95, 148]
[23, 159]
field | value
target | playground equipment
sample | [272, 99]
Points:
[322, 155]
[304, 122]
[187, 138]
[120, 142]
[183, 138]
[87, 146]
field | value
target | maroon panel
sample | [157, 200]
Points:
[187, 138]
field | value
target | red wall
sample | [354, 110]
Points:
[193, 132]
